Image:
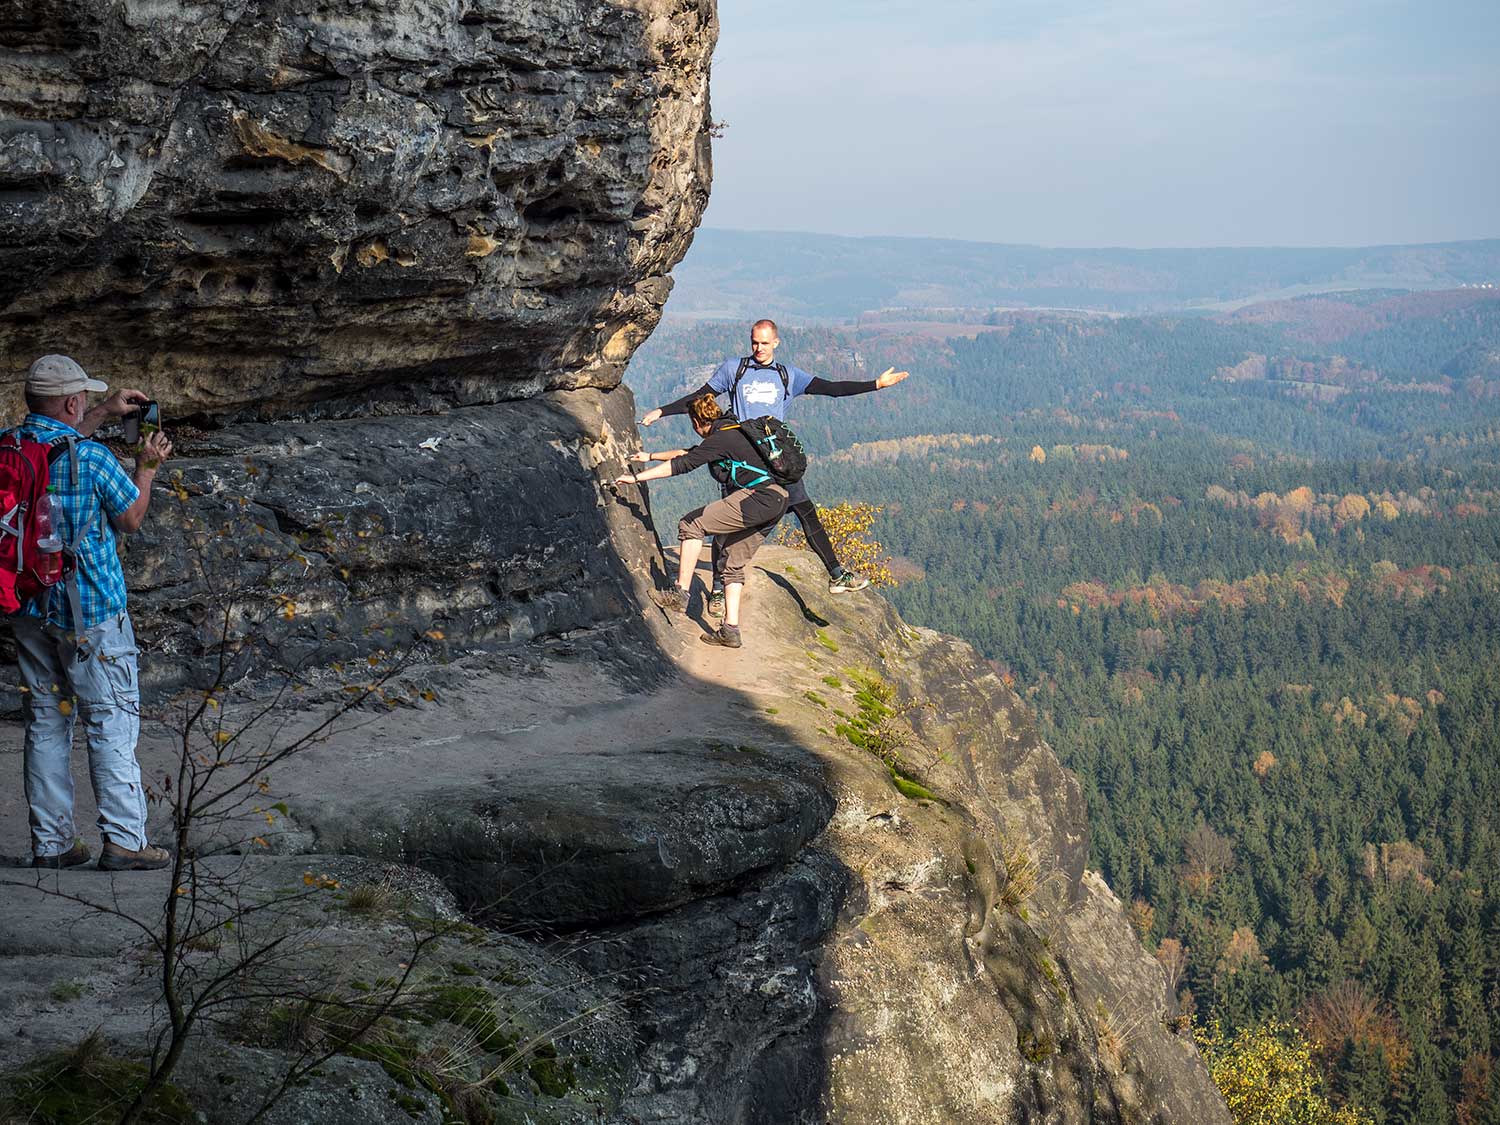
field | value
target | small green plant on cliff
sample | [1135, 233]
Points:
[1036, 1047]
[880, 727]
[66, 991]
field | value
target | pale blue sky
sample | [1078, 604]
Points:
[1132, 123]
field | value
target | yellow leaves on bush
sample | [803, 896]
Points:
[1267, 1077]
[320, 882]
[1038, 454]
[847, 526]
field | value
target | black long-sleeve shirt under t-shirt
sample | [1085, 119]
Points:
[724, 442]
[828, 388]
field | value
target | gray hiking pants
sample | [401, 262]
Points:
[739, 523]
[104, 692]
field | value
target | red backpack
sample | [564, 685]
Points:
[25, 466]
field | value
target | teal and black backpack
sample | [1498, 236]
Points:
[778, 446]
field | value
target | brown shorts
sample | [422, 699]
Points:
[739, 523]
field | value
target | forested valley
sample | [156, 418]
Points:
[1246, 569]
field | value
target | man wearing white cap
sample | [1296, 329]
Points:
[76, 648]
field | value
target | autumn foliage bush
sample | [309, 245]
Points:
[848, 527]
[1267, 1076]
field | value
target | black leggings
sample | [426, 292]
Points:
[806, 512]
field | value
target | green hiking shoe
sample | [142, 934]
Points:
[716, 603]
[845, 581]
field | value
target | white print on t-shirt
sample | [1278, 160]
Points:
[762, 393]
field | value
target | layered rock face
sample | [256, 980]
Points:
[253, 206]
[392, 257]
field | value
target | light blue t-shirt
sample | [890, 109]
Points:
[760, 391]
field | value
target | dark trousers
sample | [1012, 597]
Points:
[806, 512]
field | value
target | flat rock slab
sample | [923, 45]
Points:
[595, 837]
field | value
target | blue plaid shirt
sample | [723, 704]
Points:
[103, 490]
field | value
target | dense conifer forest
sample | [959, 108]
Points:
[1246, 569]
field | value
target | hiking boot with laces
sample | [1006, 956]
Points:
[673, 600]
[78, 854]
[716, 603]
[845, 581]
[725, 636]
[116, 858]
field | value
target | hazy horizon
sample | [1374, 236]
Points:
[1099, 246]
[1156, 124]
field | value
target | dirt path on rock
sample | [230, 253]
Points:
[487, 723]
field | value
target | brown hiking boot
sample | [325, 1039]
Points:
[116, 858]
[725, 636]
[77, 854]
[673, 600]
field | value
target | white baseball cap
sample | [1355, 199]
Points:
[54, 375]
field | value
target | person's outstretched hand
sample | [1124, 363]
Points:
[641, 456]
[889, 378]
[157, 449]
[651, 416]
[627, 478]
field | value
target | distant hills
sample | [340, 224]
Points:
[735, 274]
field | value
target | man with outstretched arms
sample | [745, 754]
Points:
[759, 386]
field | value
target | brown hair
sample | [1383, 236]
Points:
[704, 409]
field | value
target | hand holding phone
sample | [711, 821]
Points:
[145, 418]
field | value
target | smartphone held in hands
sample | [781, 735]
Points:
[145, 419]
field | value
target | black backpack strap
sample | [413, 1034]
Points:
[786, 380]
[738, 375]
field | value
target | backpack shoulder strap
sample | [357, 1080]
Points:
[786, 380]
[65, 444]
[738, 375]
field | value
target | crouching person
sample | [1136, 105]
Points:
[739, 523]
[75, 645]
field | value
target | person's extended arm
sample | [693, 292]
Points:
[719, 383]
[715, 447]
[117, 405]
[643, 456]
[841, 388]
[677, 405]
[156, 450]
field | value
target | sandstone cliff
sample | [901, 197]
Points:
[390, 259]
[257, 205]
